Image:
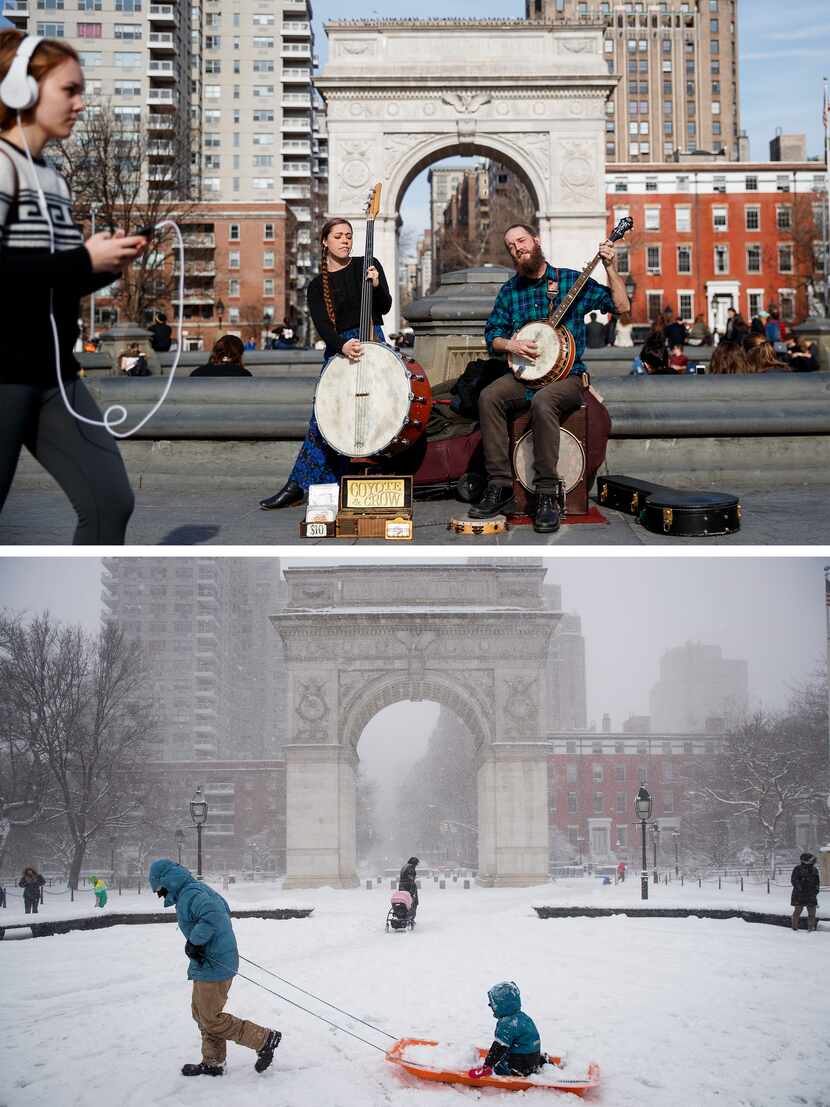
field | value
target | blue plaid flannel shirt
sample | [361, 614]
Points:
[521, 301]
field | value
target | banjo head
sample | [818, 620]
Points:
[549, 345]
[362, 406]
[571, 461]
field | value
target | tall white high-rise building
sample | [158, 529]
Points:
[213, 657]
[698, 685]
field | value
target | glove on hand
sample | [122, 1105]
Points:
[197, 953]
[482, 1070]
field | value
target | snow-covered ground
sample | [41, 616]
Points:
[678, 1012]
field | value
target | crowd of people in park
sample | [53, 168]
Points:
[763, 345]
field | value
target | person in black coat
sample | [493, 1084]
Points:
[225, 360]
[407, 882]
[162, 334]
[31, 882]
[806, 884]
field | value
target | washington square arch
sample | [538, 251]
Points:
[474, 638]
[401, 94]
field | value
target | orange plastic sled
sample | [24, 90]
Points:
[558, 1082]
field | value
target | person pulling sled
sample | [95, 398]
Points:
[205, 920]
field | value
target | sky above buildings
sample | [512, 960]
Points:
[768, 611]
[784, 53]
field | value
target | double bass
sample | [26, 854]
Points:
[379, 405]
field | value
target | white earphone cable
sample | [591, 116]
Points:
[116, 414]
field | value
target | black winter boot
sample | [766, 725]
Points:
[203, 1069]
[546, 519]
[265, 1055]
[495, 500]
[289, 495]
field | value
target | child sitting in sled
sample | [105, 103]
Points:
[516, 1048]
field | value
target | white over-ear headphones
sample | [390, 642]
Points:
[19, 90]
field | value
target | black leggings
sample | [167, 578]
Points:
[84, 460]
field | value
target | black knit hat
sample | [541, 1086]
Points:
[807, 859]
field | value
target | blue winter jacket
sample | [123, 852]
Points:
[203, 917]
[514, 1028]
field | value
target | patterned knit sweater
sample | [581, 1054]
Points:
[28, 271]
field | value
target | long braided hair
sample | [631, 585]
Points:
[326, 230]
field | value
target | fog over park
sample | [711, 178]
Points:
[766, 611]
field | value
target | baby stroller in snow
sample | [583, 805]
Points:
[401, 914]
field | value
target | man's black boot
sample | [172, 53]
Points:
[265, 1055]
[203, 1069]
[495, 500]
[546, 519]
[289, 495]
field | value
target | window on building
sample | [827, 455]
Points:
[721, 259]
[623, 260]
[88, 30]
[572, 803]
[786, 300]
[620, 185]
[50, 30]
[233, 259]
[654, 305]
[653, 259]
[89, 5]
[128, 5]
[127, 31]
[720, 219]
[785, 258]
[619, 804]
[234, 232]
[751, 184]
[233, 286]
[684, 259]
[753, 258]
[90, 58]
[651, 184]
[685, 305]
[268, 259]
[622, 836]
[598, 803]
[213, 66]
[570, 773]
[268, 232]
[262, 184]
[570, 747]
[753, 217]
[755, 301]
[782, 182]
[268, 286]
[263, 161]
[668, 803]
[719, 185]
[784, 217]
[652, 219]
[596, 774]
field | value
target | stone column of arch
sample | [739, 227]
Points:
[401, 95]
[346, 663]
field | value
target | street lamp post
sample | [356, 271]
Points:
[642, 810]
[655, 834]
[93, 208]
[630, 289]
[199, 814]
[179, 840]
[220, 311]
[676, 837]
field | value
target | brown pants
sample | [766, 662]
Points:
[548, 408]
[811, 917]
[219, 1027]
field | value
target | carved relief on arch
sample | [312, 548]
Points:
[519, 706]
[577, 169]
[312, 712]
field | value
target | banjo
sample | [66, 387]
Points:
[379, 405]
[557, 349]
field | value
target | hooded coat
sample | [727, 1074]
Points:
[806, 884]
[408, 878]
[514, 1028]
[203, 917]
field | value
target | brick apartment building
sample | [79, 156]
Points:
[593, 779]
[711, 234]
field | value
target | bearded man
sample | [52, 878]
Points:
[523, 299]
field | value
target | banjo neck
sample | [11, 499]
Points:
[366, 328]
[559, 314]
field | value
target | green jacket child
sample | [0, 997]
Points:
[100, 890]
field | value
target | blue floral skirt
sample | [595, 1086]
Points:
[317, 462]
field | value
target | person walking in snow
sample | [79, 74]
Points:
[100, 890]
[31, 882]
[408, 882]
[516, 1048]
[205, 920]
[806, 884]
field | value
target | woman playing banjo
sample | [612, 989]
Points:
[334, 304]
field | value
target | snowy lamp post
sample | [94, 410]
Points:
[676, 836]
[199, 814]
[179, 840]
[655, 836]
[642, 809]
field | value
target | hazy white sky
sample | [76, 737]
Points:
[783, 55]
[769, 611]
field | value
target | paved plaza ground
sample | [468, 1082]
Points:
[222, 516]
[682, 1012]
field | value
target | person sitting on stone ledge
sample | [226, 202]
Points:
[225, 359]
